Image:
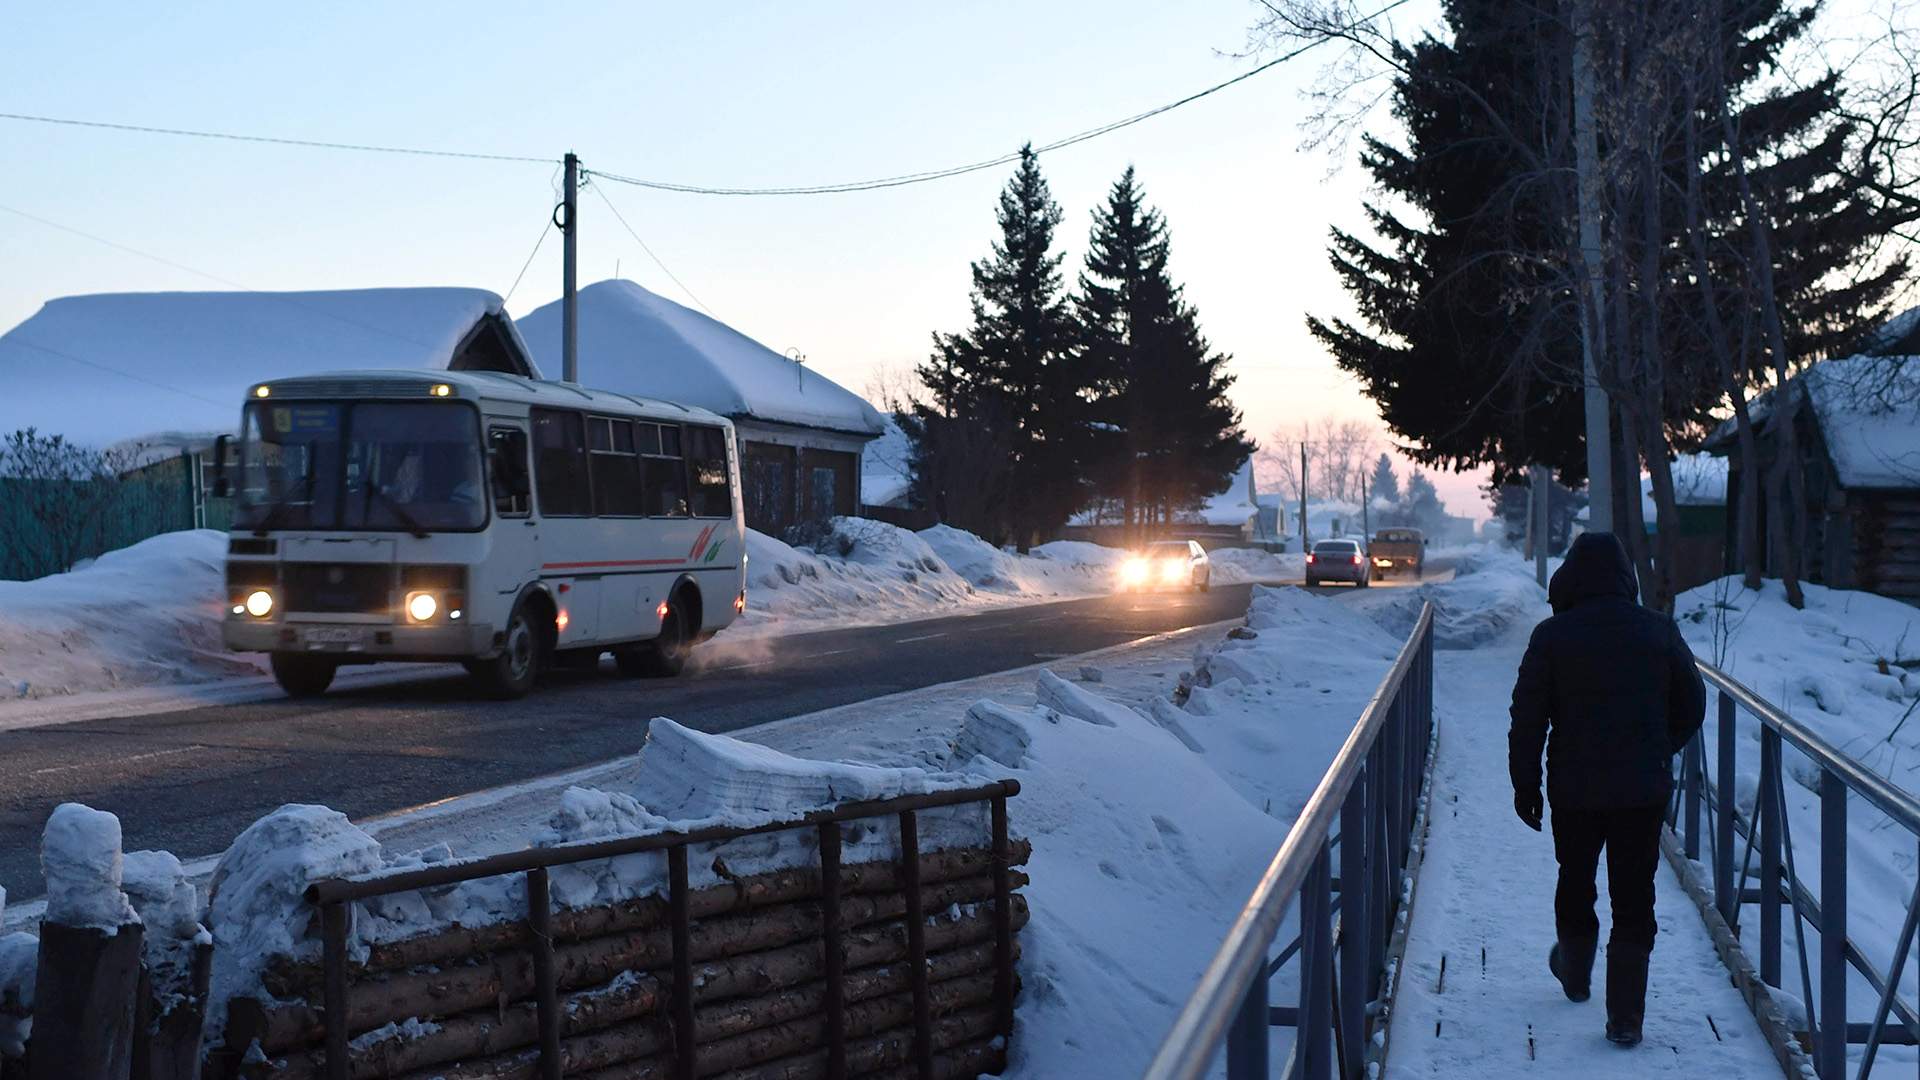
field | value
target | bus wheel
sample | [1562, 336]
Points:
[663, 656]
[511, 674]
[303, 676]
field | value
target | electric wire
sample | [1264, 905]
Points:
[314, 144]
[531, 255]
[656, 259]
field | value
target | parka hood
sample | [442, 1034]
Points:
[1596, 566]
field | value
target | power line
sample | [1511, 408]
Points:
[595, 188]
[530, 257]
[990, 163]
[313, 144]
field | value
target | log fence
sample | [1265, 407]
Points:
[892, 967]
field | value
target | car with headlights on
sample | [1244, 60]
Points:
[1167, 564]
[1338, 560]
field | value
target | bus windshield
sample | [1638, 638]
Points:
[368, 465]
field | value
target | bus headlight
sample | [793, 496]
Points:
[422, 606]
[259, 603]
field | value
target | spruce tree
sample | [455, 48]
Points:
[1006, 408]
[1384, 484]
[1170, 438]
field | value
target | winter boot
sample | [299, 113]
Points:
[1626, 993]
[1571, 961]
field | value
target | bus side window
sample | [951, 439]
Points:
[560, 463]
[707, 468]
[512, 494]
[666, 470]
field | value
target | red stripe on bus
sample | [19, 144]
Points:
[619, 562]
[701, 542]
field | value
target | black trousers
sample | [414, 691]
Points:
[1631, 838]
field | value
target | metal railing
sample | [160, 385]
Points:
[333, 896]
[1373, 793]
[1780, 884]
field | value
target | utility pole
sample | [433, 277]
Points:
[1304, 543]
[569, 279]
[1593, 328]
[1538, 526]
[1366, 510]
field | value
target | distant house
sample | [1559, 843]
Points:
[1857, 423]
[801, 435]
[172, 368]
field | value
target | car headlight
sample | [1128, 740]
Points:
[1133, 571]
[259, 603]
[422, 606]
[1172, 569]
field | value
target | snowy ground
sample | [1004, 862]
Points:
[138, 630]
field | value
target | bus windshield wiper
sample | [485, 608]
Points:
[280, 506]
[398, 510]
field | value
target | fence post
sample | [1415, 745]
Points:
[333, 962]
[916, 945]
[1690, 796]
[1313, 1034]
[1725, 897]
[834, 949]
[1830, 1049]
[83, 1006]
[686, 1039]
[1356, 982]
[546, 988]
[1768, 800]
[1247, 1037]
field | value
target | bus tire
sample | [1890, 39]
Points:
[512, 673]
[303, 676]
[666, 655]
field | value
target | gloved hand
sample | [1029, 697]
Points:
[1530, 807]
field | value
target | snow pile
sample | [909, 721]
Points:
[144, 615]
[255, 897]
[690, 776]
[1491, 592]
[1237, 566]
[169, 908]
[1154, 826]
[19, 961]
[80, 856]
[860, 572]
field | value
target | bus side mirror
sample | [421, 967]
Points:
[220, 488]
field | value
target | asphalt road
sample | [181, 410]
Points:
[189, 781]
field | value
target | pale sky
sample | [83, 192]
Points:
[749, 94]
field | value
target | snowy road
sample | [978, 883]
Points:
[1484, 912]
[189, 780]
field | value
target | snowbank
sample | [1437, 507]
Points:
[1492, 591]
[1237, 566]
[19, 960]
[141, 616]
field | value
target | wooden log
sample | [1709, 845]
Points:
[501, 1030]
[885, 1052]
[506, 978]
[288, 980]
[85, 986]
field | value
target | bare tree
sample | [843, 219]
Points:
[61, 494]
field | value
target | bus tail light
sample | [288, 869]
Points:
[662, 609]
[740, 603]
[560, 621]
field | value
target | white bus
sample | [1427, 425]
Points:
[499, 521]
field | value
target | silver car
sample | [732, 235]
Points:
[1338, 560]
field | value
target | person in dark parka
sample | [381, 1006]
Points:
[1609, 689]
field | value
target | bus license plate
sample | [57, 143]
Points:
[335, 636]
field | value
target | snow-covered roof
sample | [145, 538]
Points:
[1869, 412]
[1239, 502]
[636, 342]
[1699, 480]
[111, 367]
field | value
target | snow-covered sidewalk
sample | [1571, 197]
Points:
[1483, 914]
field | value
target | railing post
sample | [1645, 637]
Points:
[1830, 1049]
[1768, 802]
[1314, 1035]
[1247, 1037]
[1395, 778]
[1356, 982]
[1379, 862]
[1725, 897]
[1690, 796]
[546, 992]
